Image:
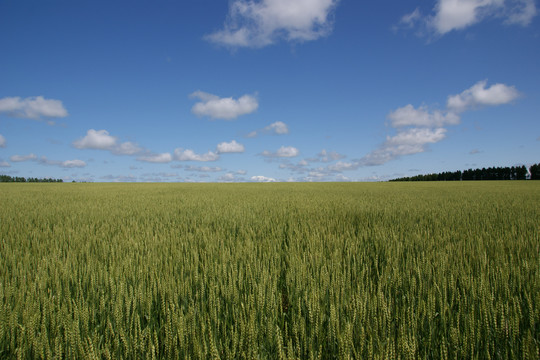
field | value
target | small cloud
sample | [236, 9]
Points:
[258, 24]
[204, 169]
[101, 140]
[223, 108]
[2, 141]
[68, 164]
[228, 177]
[410, 20]
[478, 95]
[189, 155]
[32, 107]
[156, 158]
[260, 178]
[474, 152]
[230, 147]
[119, 178]
[455, 15]
[20, 158]
[409, 116]
[241, 172]
[96, 139]
[282, 152]
[4, 163]
[406, 142]
[276, 128]
[325, 156]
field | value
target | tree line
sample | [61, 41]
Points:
[7, 178]
[491, 173]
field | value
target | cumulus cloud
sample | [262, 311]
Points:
[101, 140]
[4, 163]
[478, 95]
[450, 15]
[409, 116]
[223, 108]
[189, 155]
[260, 23]
[96, 139]
[406, 142]
[277, 128]
[230, 147]
[2, 141]
[21, 158]
[282, 152]
[32, 107]
[156, 158]
[260, 178]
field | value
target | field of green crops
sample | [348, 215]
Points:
[270, 271]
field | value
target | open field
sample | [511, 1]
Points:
[270, 271]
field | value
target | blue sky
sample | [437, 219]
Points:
[267, 90]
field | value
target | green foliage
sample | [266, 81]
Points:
[270, 271]
[7, 178]
[491, 173]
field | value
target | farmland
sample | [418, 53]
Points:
[270, 271]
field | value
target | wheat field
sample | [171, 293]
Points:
[270, 271]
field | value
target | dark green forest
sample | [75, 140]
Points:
[7, 178]
[491, 173]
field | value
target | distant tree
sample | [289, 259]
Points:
[535, 172]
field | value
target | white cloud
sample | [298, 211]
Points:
[223, 108]
[65, 164]
[205, 169]
[328, 156]
[260, 178]
[478, 96]
[156, 158]
[342, 166]
[261, 23]
[96, 139]
[2, 141]
[72, 164]
[277, 128]
[458, 14]
[20, 158]
[189, 155]
[450, 15]
[32, 107]
[241, 172]
[230, 147]
[44, 161]
[407, 142]
[228, 177]
[101, 140]
[126, 148]
[120, 178]
[4, 164]
[284, 151]
[409, 116]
